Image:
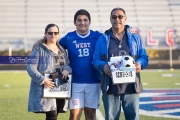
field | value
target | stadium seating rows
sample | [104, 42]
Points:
[26, 19]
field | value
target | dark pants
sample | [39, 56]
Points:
[52, 115]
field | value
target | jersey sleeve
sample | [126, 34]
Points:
[62, 42]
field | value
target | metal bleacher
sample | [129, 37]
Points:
[153, 14]
[24, 21]
[105, 7]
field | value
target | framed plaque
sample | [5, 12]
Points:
[60, 90]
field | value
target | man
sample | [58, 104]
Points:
[86, 86]
[111, 43]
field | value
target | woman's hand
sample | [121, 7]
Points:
[65, 73]
[48, 83]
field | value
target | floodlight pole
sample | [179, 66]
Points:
[25, 26]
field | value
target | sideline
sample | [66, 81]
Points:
[99, 115]
[145, 70]
[9, 71]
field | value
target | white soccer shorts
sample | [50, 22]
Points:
[85, 95]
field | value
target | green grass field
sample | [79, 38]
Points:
[14, 89]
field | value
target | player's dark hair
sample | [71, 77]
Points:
[118, 9]
[82, 12]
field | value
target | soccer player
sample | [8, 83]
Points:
[86, 86]
[118, 38]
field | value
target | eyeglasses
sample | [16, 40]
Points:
[51, 33]
[114, 17]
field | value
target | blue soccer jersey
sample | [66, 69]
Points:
[80, 50]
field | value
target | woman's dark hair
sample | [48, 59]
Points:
[46, 30]
[51, 25]
[82, 12]
[118, 9]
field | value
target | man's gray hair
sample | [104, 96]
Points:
[118, 9]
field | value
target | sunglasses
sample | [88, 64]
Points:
[51, 33]
[114, 17]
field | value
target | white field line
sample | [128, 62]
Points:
[161, 89]
[166, 101]
[158, 95]
[99, 115]
[158, 70]
[161, 113]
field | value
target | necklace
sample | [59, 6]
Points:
[120, 44]
[119, 41]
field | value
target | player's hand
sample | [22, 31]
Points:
[107, 70]
[48, 83]
[65, 73]
[138, 67]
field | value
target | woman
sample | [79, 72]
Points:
[50, 56]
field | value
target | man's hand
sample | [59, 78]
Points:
[107, 70]
[138, 67]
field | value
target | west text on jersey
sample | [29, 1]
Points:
[82, 45]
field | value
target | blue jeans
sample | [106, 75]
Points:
[113, 103]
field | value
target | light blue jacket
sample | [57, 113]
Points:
[44, 63]
[100, 56]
